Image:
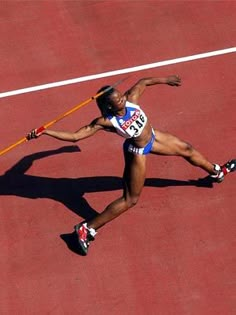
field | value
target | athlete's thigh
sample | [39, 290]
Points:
[167, 144]
[134, 173]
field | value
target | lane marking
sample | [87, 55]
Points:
[118, 72]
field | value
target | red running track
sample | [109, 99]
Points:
[174, 253]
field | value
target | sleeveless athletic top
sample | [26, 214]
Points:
[132, 123]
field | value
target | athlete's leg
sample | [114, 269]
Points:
[167, 144]
[134, 177]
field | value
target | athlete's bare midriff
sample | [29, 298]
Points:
[146, 135]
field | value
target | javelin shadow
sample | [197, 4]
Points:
[70, 191]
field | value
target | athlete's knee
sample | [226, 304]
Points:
[132, 201]
[187, 149]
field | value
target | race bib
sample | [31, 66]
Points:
[135, 124]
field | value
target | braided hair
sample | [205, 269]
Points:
[104, 102]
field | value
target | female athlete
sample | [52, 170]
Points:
[120, 113]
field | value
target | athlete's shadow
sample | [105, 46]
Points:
[70, 191]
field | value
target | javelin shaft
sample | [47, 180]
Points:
[50, 123]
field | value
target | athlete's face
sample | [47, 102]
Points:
[117, 101]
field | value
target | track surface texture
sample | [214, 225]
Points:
[174, 252]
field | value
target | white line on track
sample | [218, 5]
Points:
[118, 72]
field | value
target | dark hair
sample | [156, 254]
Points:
[104, 101]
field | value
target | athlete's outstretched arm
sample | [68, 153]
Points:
[137, 90]
[84, 132]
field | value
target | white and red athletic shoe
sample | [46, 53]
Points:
[223, 170]
[84, 236]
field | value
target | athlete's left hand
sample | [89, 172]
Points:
[173, 80]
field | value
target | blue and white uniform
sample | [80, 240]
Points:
[130, 126]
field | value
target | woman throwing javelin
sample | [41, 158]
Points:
[120, 113]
